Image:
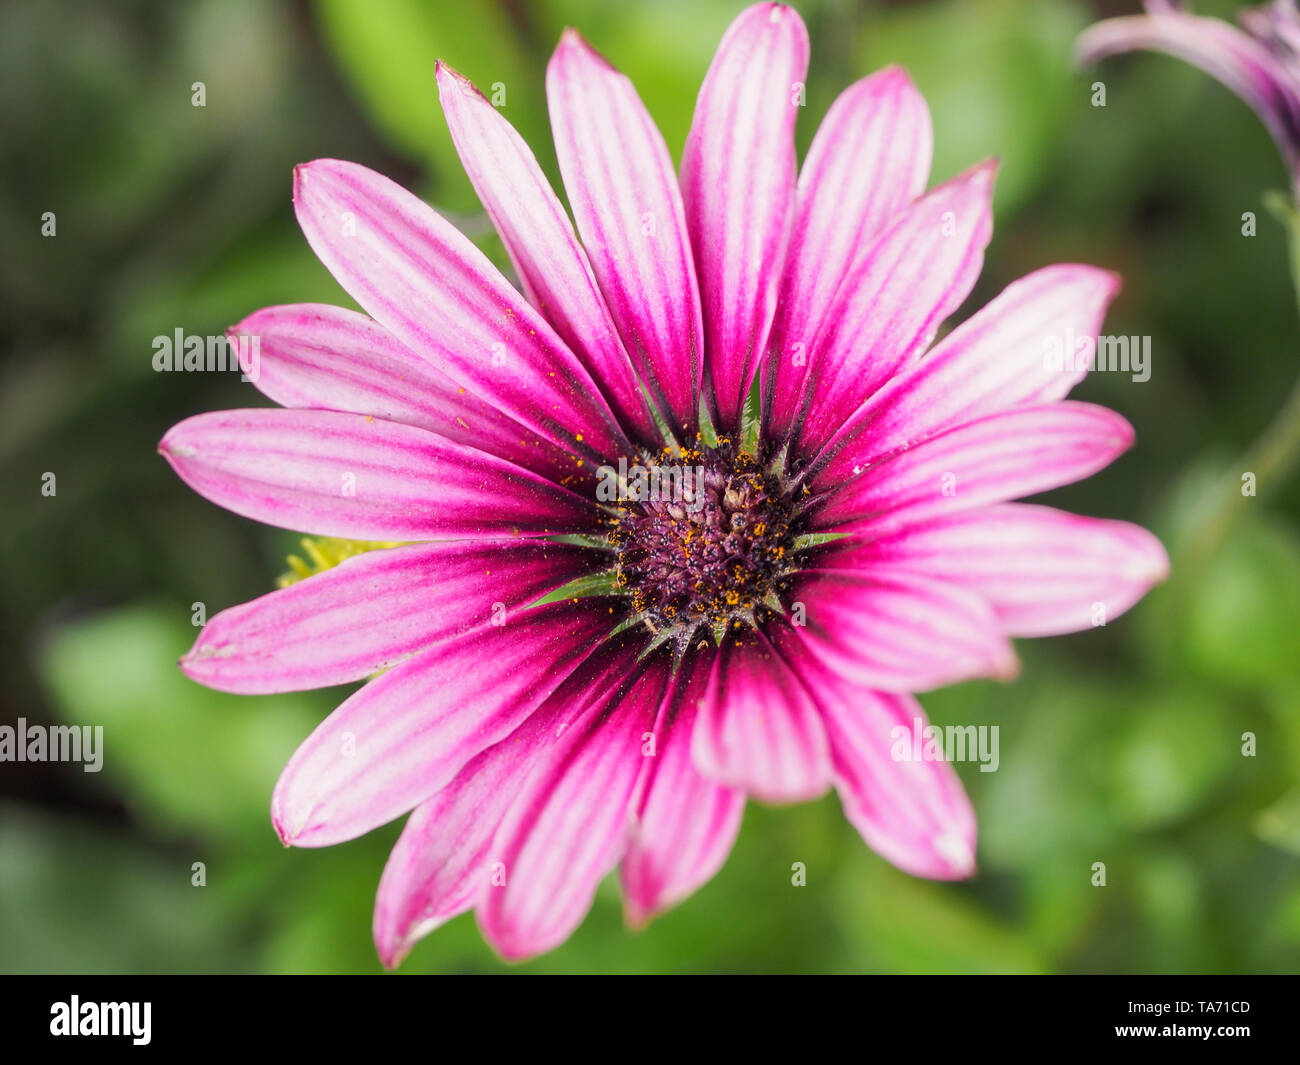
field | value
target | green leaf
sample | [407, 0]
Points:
[1279, 824]
[1245, 612]
[602, 583]
[1178, 745]
[92, 899]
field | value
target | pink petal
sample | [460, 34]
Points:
[443, 862]
[628, 209]
[911, 811]
[738, 182]
[539, 238]
[685, 823]
[869, 159]
[374, 610]
[328, 358]
[900, 632]
[1044, 571]
[421, 278]
[915, 814]
[887, 310]
[360, 478]
[994, 459]
[405, 735]
[1000, 357]
[758, 728]
[569, 825]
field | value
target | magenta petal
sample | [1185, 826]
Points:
[758, 728]
[539, 238]
[405, 734]
[738, 181]
[1044, 571]
[901, 632]
[914, 813]
[444, 861]
[628, 209]
[685, 823]
[423, 279]
[569, 825]
[436, 870]
[329, 358]
[889, 307]
[360, 478]
[373, 611]
[1010, 352]
[869, 159]
[909, 810]
[992, 460]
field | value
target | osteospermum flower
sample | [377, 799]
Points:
[835, 546]
[1259, 62]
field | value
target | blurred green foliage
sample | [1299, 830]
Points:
[1121, 745]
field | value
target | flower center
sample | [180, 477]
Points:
[704, 539]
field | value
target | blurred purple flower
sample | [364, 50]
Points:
[1260, 62]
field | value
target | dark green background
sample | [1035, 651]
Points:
[1120, 745]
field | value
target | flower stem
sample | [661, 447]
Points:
[1273, 455]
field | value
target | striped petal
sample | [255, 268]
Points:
[738, 182]
[569, 825]
[869, 160]
[685, 823]
[1021, 348]
[992, 460]
[628, 209]
[421, 278]
[914, 813]
[375, 610]
[899, 633]
[320, 357]
[539, 238]
[758, 729]
[360, 478]
[444, 862]
[406, 734]
[1044, 571]
[888, 308]
[910, 810]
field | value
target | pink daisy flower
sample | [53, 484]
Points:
[838, 544]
